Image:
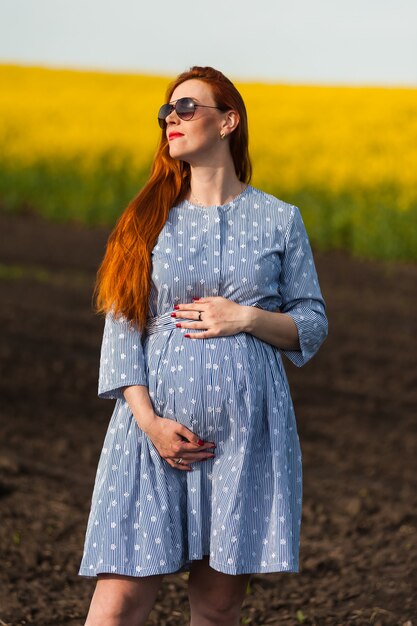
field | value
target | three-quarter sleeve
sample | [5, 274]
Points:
[122, 361]
[300, 291]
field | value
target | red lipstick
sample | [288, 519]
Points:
[174, 135]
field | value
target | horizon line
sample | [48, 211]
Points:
[250, 80]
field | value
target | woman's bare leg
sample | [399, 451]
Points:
[122, 600]
[215, 598]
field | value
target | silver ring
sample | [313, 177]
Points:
[178, 461]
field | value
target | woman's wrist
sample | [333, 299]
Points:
[147, 422]
[137, 397]
[249, 317]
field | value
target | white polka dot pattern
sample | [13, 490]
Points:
[242, 508]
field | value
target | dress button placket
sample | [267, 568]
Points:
[217, 250]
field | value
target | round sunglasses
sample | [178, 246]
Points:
[184, 108]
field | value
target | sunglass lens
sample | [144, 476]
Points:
[185, 108]
[164, 111]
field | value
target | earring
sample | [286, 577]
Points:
[222, 135]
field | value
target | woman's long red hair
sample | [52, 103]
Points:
[124, 278]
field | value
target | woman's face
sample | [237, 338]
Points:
[198, 140]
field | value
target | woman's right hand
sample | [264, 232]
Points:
[174, 441]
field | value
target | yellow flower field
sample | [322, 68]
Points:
[77, 145]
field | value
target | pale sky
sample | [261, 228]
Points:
[307, 41]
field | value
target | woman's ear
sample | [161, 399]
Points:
[230, 122]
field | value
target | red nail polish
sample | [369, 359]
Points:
[196, 298]
[178, 325]
[200, 442]
[173, 315]
[186, 335]
[176, 306]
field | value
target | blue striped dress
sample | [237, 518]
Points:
[242, 508]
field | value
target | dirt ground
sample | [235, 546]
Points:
[355, 401]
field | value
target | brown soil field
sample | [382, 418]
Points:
[356, 406]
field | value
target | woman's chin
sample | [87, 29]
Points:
[179, 156]
[175, 154]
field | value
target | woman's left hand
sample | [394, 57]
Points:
[220, 317]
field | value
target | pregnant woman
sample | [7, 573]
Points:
[205, 283]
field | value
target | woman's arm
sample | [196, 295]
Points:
[124, 376]
[275, 328]
[122, 361]
[299, 288]
[223, 317]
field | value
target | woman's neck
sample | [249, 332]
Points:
[214, 186]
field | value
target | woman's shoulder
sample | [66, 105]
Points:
[278, 206]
